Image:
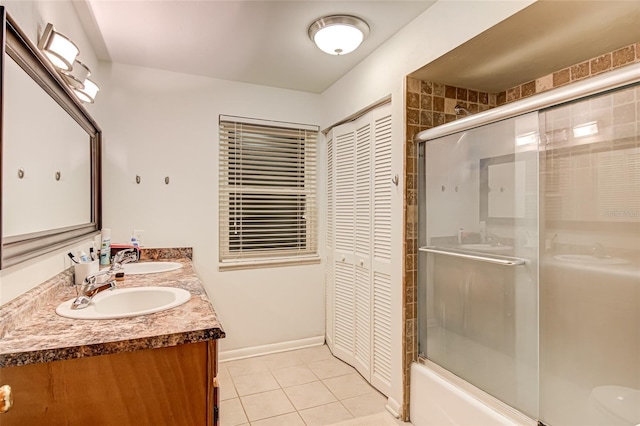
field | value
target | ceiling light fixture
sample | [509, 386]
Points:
[338, 34]
[60, 50]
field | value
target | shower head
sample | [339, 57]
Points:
[459, 110]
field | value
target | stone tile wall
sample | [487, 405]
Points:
[430, 104]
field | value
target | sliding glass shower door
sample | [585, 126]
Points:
[478, 258]
[590, 267]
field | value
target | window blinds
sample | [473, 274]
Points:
[267, 197]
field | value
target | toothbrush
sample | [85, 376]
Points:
[91, 253]
[73, 259]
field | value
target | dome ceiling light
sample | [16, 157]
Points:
[338, 34]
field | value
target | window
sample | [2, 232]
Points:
[267, 191]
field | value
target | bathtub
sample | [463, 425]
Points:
[438, 398]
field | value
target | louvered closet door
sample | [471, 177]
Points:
[362, 246]
[381, 250]
[360, 210]
[330, 244]
[344, 290]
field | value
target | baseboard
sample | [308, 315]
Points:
[270, 349]
[329, 342]
[394, 408]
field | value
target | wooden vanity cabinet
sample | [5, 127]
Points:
[173, 386]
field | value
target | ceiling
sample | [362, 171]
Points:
[262, 42]
[545, 37]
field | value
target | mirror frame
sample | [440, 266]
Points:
[17, 46]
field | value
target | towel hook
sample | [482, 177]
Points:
[395, 180]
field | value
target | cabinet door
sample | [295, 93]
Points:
[170, 386]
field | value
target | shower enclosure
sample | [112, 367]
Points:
[529, 258]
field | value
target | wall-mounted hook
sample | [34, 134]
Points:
[166, 180]
[58, 175]
[138, 179]
[395, 180]
[20, 173]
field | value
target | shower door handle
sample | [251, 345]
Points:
[501, 260]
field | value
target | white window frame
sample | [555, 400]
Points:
[267, 193]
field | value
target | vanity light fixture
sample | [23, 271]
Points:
[88, 92]
[338, 34]
[586, 129]
[60, 50]
[77, 76]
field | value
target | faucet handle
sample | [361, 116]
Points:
[126, 256]
[92, 279]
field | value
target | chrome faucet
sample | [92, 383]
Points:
[92, 285]
[123, 257]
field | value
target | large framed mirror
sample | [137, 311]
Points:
[49, 157]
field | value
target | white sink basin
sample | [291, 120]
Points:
[127, 302]
[588, 259]
[485, 247]
[150, 267]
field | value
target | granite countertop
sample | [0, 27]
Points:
[32, 332]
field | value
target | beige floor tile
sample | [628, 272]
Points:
[296, 375]
[314, 353]
[248, 384]
[380, 419]
[266, 404]
[348, 386]
[309, 395]
[291, 419]
[231, 413]
[330, 367]
[325, 414]
[282, 360]
[365, 405]
[246, 366]
[222, 370]
[227, 389]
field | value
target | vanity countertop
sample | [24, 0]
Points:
[34, 333]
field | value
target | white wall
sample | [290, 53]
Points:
[442, 27]
[158, 123]
[32, 16]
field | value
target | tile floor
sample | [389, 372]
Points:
[305, 387]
